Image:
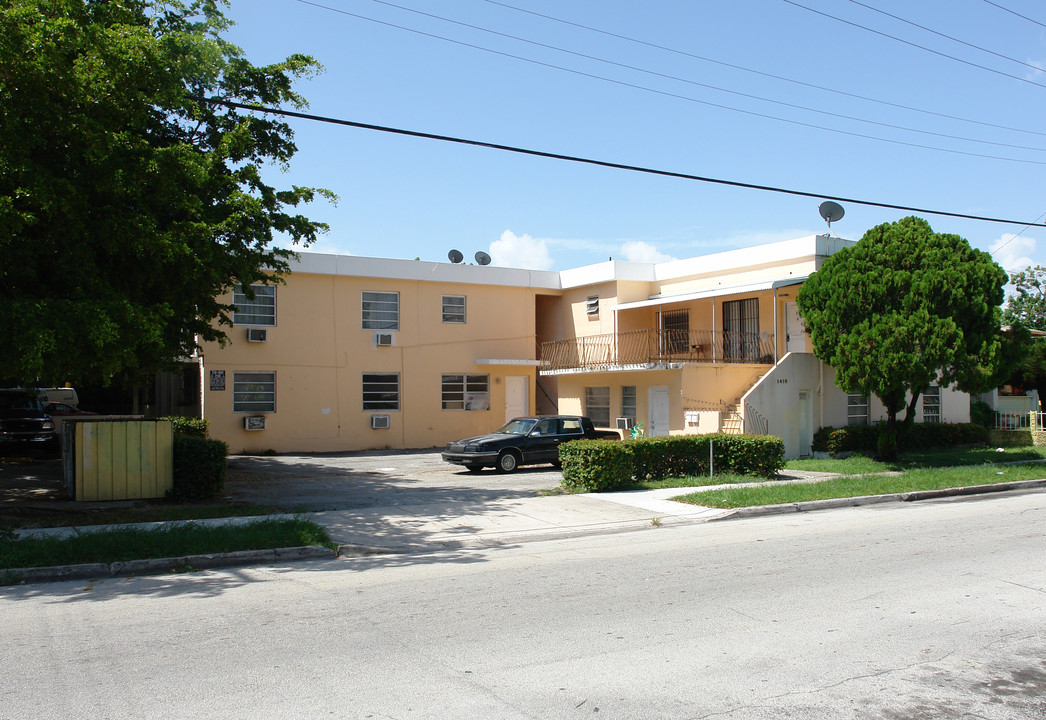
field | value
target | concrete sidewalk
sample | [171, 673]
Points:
[505, 521]
[415, 528]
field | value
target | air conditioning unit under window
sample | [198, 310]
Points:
[257, 334]
[254, 422]
[383, 339]
[625, 423]
[379, 422]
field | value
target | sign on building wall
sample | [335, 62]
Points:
[217, 379]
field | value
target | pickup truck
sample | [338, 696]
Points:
[523, 441]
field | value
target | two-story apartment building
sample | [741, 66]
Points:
[355, 353]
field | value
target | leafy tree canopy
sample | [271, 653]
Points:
[905, 308]
[1027, 306]
[127, 206]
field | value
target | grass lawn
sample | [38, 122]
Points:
[946, 457]
[121, 544]
[41, 515]
[857, 485]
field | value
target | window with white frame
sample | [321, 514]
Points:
[454, 309]
[628, 401]
[381, 310]
[856, 409]
[261, 310]
[466, 392]
[597, 405]
[381, 391]
[932, 404]
[254, 392]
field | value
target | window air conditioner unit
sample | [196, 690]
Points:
[383, 339]
[625, 423]
[257, 334]
[254, 422]
[379, 422]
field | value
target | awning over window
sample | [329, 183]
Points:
[712, 292]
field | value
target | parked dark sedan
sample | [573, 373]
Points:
[23, 421]
[522, 441]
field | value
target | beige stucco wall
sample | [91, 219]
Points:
[319, 352]
[955, 405]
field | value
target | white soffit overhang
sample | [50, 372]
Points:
[712, 292]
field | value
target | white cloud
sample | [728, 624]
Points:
[520, 251]
[639, 251]
[1037, 73]
[1014, 252]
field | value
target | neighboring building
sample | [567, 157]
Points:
[355, 353]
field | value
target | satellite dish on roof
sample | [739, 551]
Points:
[831, 211]
[455, 256]
[482, 258]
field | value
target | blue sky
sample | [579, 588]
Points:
[949, 117]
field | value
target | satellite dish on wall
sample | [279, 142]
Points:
[482, 258]
[831, 211]
[455, 256]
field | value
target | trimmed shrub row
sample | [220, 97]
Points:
[196, 427]
[602, 465]
[863, 438]
[199, 468]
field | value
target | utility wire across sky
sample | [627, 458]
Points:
[603, 163]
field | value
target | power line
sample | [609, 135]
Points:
[600, 163]
[914, 45]
[946, 37]
[687, 81]
[761, 73]
[1011, 12]
[677, 96]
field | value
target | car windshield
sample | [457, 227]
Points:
[518, 426]
[16, 401]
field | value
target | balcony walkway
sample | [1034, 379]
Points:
[654, 349]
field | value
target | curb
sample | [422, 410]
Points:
[914, 496]
[188, 563]
[163, 566]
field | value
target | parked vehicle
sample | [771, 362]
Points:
[23, 420]
[523, 441]
[61, 411]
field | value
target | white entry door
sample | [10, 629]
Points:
[795, 331]
[517, 398]
[658, 413]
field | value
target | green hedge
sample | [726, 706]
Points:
[196, 427]
[601, 465]
[863, 438]
[199, 468]
[596, 465]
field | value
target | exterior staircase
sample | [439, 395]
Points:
[732, 419]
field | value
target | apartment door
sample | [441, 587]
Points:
[795, 331]
[658, 414]
[741, 330]
[517, 397]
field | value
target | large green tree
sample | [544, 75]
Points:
[127, 203]
[905, 308]
[1027, 305]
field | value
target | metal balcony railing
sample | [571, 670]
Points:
[656, 347]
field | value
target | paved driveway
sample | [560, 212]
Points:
[374, 479]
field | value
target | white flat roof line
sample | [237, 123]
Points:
[712, 292]
[505, 361]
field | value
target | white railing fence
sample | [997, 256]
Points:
[1020, 421]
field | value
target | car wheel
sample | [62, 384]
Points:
[508, 462]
